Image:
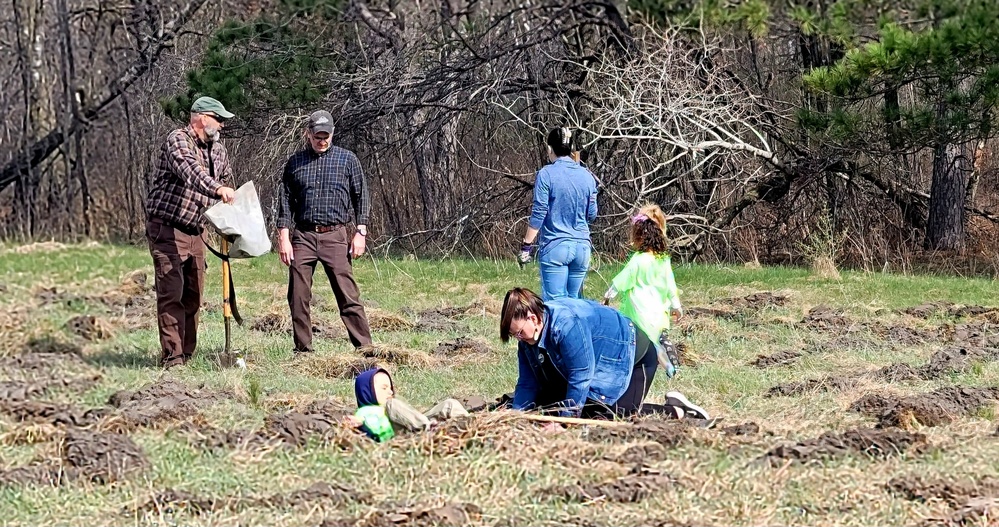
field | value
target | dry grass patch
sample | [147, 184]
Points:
[338, 366]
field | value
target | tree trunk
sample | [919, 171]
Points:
[952, 167]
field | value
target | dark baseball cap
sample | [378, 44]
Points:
[321, 121]
[210, 105]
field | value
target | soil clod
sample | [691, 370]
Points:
[875, 443]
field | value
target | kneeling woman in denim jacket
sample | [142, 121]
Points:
[576, 356]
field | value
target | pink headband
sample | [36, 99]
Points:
[638, 218]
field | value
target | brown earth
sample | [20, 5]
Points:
[780, 358]
[825, 318]
[165, 400]
[272, 323]
[918, 488]
[930, 409]
[743, 429]
[875, 443]
[462, 347]
[637, 455]
[632, 488]
[825, 384]
[50, 344]
[319, 495]
[86, 456]
[447, 514]
[948, 309]
[667, 433]
[977, 512]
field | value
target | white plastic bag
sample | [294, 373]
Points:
[243, 219]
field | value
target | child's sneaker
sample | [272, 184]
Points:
[690, 409]
[670, 350]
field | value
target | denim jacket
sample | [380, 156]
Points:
[565, 202]
[591, 345]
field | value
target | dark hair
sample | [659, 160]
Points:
[519, 303]
[648, 236]
[560, 140]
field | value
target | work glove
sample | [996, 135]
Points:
[524, 257]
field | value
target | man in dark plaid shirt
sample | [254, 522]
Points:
[183, 185]
[322, 192]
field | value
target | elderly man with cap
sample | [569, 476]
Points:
[187, 179]
[322, 192]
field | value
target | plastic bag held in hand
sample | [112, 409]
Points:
[244, 220]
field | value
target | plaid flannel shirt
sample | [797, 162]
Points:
[323, 189]
[181, 186]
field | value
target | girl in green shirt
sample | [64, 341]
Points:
[647, 285]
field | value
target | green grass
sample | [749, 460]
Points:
[717, 479]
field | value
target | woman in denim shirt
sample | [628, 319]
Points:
[578, 357]
[565, 202]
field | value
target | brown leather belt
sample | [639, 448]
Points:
[310, 227]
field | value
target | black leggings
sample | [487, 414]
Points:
[554, 387]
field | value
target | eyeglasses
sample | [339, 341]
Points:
[521, 334]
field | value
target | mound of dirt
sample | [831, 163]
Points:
[901, 335]
[878, 444]
[102, 458]
[825, 318]
[86, 456]
[272, 323]
[917, 488]
[637, 455]
[17, 391]
[172, 501]
[927, 310]
[51, 345]
[976, 512]
[743, 429]
[825, 384]
[462, 346]
[90, 327]
[634, 487]
[780, 358]
[667, 433]
[443, 515]
[296, 427]
[696, 312]
[897, 372]
[956, 360]
[931, 409]
[978, 334]
[156, 403]
[56, 414]
[319, 495]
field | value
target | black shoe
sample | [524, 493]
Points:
[690, 409]
[297, 352]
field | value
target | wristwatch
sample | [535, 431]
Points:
[362, 230]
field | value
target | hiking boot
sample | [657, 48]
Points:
[670, 350]
[690, 409]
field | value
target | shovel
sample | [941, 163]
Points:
[227, 313]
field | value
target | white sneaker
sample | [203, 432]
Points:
[690, 409]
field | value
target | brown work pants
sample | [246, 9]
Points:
[179, 264]
[332, 249]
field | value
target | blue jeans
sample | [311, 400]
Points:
[563, 266]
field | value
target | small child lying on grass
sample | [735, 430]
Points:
[380, 414]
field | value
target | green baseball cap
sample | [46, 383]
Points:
[210, 105]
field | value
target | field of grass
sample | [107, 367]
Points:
[77, 325]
